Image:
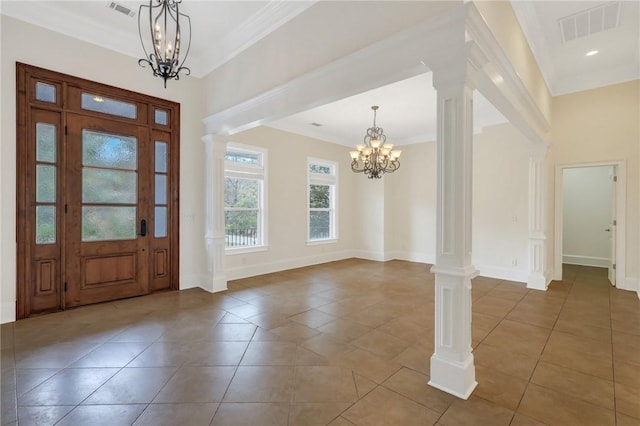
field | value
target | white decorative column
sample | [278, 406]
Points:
[452, 367]
[216, 147]
[537, 279]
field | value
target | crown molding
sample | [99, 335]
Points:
[46, 15]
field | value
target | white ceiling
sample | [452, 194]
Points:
[222, 29]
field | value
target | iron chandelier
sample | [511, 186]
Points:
[374, 158]
[165, 26]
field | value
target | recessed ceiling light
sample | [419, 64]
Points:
[591, 53]
[316, 124]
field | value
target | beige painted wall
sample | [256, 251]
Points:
[287, 204]
[37, 46]
[505, 27]
[500, 195]
[601, 125]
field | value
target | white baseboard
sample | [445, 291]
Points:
[414, 257]
[188, 281]
[501, 273]
[283, 265]
[572, 259]
[630, 284]
[8, 311]
[377, 256]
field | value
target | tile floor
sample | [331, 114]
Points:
[344, 343]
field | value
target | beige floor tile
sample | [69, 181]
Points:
[555, 408]
[295, 332]
[217, 353]
[416, 357]
[493, 306]
[313, 318]
[196, 384]
[414, 386]
[344, 329]
[382, 344]
[501, 389]
[475, 411]
[28, 378]
[316, 414]
[624, 420]
[602, 334]
[37, 416]
[627, 373]
[177, 414]
[324, 384]
[270, 353]
[363, 385]
[366, 364]
[251, 414]
[385, 407]
[163, 354]
[103, 415]
[340, 421]
[628, 400]
[261, 384]
[518, 337]
[305, 357]
[132, 386]
[522, 420]
[326, 345]
[574, 383]
[68, 387]
[111, 354]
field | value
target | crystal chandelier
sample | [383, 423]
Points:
[374, 158]
[162, 50]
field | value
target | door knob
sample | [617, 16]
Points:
[143, 228]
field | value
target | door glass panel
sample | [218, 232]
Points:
[161, 157]
[45, 225]
[45, 184]
[161, 189]
[162, 117]
[45, 142]
[46, 92]
[101, 223]
[107, 150]
[98, 103]
[109, 186]
[160, 230]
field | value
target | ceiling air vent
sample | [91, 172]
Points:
[590, 21]
[315, 124]
[120, 8]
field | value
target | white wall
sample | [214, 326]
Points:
[500, 203]
[587, 212]
[500, 216]
[287, 204]
[37, 46]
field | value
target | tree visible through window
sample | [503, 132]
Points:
[322, 199]
[243, 197]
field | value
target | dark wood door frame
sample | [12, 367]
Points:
[41, 267]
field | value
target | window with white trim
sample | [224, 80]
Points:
[321, 200]
[244, 197]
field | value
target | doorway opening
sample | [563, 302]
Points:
[97, 184]
[590, 218]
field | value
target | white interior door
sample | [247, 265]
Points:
[612, 230]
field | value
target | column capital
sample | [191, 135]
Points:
[538, 150]
[460, 69]
[214, 139]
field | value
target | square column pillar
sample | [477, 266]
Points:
[452, 368]
[216, 148]
[537, 279]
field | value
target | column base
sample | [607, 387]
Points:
[537, 282]
[458, 379]
[215, 284]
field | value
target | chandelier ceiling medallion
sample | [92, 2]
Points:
[374, 158]
[167, 28]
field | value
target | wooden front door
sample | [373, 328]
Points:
[108, 189]
[97, 191]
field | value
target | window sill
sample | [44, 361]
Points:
[244, 250]
[319, 242]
